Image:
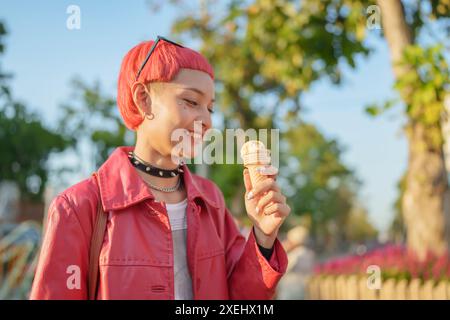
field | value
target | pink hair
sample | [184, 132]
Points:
[163, 66]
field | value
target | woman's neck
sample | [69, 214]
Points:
[156, 159]
[153, 157]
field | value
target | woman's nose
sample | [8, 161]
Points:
[205, 118]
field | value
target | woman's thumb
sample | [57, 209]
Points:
[247, 180]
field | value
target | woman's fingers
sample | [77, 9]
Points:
[281, 208]
[269, 197]
[263, 186]
[247, 180]
[267, 170]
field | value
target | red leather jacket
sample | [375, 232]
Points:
[136, 259]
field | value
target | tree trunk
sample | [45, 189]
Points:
[426, 197]
[446, 132]
[425, 204]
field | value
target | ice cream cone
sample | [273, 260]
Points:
[257, 160]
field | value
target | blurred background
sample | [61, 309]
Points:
[358, 90]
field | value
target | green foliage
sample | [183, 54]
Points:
[320, 184]
[440, 9]
[424, 87]
[266, 53]
[25, 143]
[4, 89]
[272, 47]
[93, 116]
[376, 110]
[421, 14]
[425, 77]
[25, 146]
[229, 180]
[397, 229]
[358, 227]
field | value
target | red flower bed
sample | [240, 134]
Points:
[394, 262]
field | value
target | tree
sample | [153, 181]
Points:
[266, 53]
[319, 184]
[4, 89]
[358, 227]
[25, 143]
[422, 78]
[274, 50]
[93, 117]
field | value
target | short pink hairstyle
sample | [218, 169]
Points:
[163, 66]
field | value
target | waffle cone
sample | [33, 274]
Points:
[255, 155]
[255, 176]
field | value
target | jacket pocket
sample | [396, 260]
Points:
[137, 282]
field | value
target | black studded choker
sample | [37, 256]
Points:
[152, 170]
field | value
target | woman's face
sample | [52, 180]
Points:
[176, 105]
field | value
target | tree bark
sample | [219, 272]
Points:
[446, 132]
[425, 204]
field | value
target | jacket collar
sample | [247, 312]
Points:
[121, 186]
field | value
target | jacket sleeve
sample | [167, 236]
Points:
[249, 274]
[61, 272]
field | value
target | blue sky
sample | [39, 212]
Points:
[44, 55]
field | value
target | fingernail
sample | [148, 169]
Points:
[257, 210]
[250, 195]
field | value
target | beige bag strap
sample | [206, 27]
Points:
[98, 233]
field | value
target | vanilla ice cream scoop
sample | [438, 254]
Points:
[255, 152]
[256, 159]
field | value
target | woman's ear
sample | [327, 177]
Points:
[141, 98]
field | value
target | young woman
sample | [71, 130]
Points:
[168, 233]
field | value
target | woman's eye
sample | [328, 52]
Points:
[191, 102]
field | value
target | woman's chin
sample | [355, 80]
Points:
[188, 151]
[183, 157]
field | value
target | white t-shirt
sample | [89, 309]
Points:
[178, 224]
